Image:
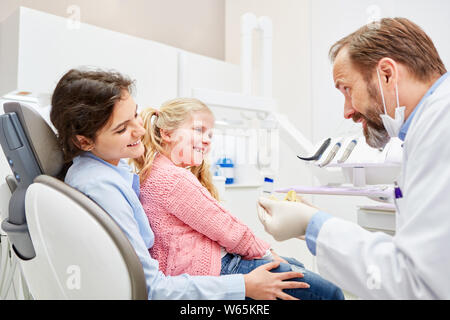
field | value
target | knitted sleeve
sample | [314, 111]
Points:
[192, 203]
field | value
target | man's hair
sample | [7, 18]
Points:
[82, 104]
[397, 38]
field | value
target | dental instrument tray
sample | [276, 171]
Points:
[381, 192]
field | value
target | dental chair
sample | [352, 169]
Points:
[67, 246]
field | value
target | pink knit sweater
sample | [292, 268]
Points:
[190, 226]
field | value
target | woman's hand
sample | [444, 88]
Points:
[261, 284]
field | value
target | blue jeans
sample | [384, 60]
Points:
[320, 289]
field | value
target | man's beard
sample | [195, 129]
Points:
[374, 131]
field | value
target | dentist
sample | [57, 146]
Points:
[395, 83]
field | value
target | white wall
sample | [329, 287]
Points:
[194, 25]
[196, 71]
[48, 47]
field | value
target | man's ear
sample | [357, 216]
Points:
[388, 71]
[83, 143]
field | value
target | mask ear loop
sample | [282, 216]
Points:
[381, 90]
[396, 93]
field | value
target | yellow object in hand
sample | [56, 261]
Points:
[290, 196]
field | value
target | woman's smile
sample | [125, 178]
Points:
[134, 144]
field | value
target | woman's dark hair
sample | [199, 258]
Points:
[82, 104]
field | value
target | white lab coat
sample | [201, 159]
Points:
[415, 263]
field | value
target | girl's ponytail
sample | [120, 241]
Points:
[151, 141]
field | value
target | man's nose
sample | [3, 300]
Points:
[348, 109]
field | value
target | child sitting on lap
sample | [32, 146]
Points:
[194, 233]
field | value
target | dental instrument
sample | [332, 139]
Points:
[319, 152]
[348, 151]
[331, 155]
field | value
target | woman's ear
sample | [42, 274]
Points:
[83, 143]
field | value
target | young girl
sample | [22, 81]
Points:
[194, 233]
[98, 126]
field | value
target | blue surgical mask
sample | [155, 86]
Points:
[392, 126]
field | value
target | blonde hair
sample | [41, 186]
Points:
[169, 117]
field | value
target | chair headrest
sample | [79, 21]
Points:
[42, 139]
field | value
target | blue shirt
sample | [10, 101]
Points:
[116, 190]
[317, 221]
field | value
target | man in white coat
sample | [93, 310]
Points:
[395, 83]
